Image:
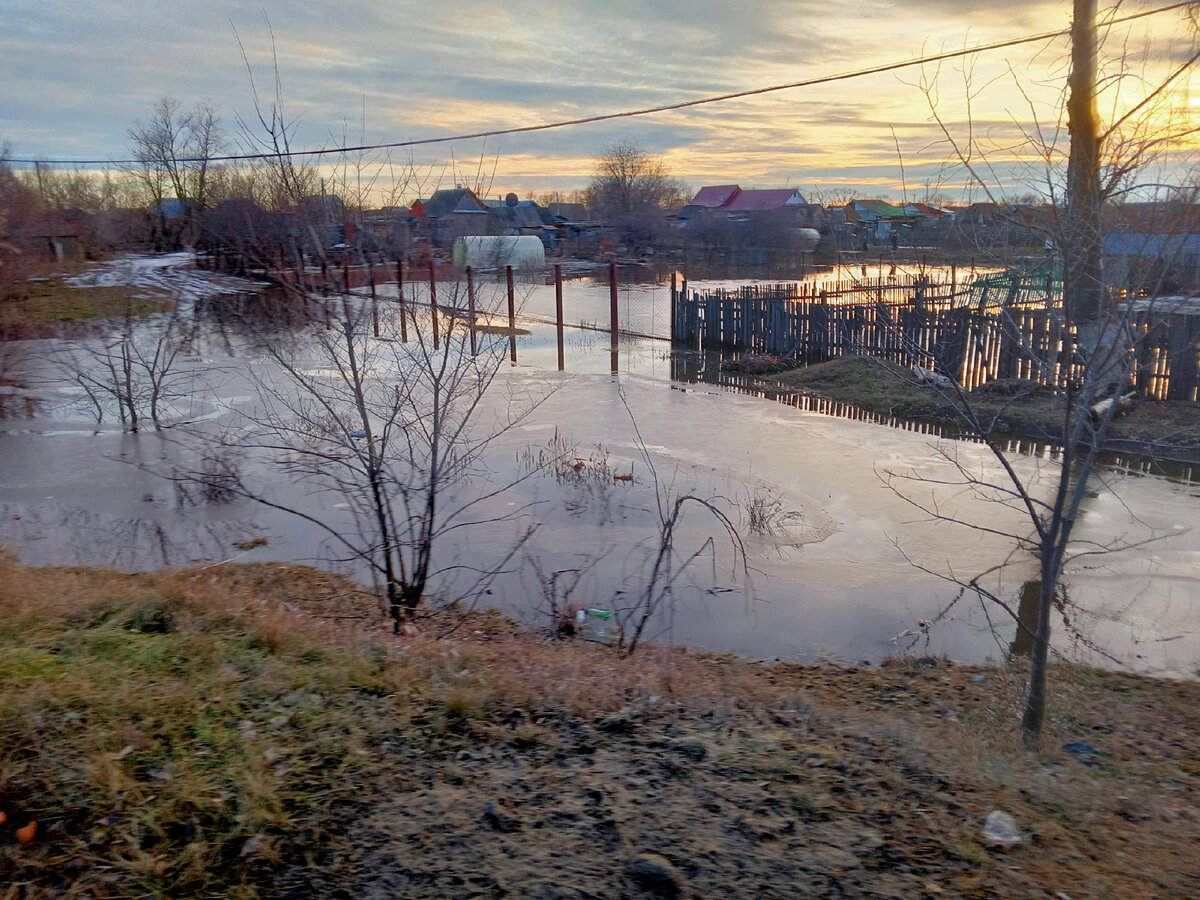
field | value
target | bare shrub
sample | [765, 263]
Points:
[764, 513]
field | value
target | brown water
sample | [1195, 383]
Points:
[849, 574]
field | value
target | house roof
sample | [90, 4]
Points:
[451, 200]
[1167, 245]
[523, 215]
[716, 195]
[169, 208]
[759, 200]
[924, 209]
[878, 209]
[569, 212]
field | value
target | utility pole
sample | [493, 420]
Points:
[1083, 298]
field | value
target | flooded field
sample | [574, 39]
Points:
[839, 566]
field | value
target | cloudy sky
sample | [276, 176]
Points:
[77, 75]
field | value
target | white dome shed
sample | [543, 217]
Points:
[497, 251]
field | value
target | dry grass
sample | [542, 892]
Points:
[196, 732]
[180, 732]
[33, 304]
[887, 389]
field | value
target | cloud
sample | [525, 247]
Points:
[78, 75]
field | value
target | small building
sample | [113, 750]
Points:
[51, 236]
[1153, 263]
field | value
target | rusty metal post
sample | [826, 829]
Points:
[512, 315]
[558, 315]
[400, 298]
[433, 307]
[612, 315]
[471, 309]
[374, 301]
[674, 301]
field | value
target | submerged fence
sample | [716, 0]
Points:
[977, 329]
[991, 329]
[496, 298]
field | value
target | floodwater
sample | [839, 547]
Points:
[849, 571]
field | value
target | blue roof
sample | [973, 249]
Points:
[1150, 244]
[168, 208]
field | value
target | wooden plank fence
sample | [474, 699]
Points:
[964, 334]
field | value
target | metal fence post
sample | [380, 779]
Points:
[558, 314]
[512, 315]
[612, 315]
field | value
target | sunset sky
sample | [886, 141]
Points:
[77, 75]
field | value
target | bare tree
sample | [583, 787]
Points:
[666, 564]
[130, 367]
[395, 430]
[1096, 328]
[174, 148]
[270, 133]
[631, 191]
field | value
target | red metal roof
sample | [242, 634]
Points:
[715, 196]
[755, 201]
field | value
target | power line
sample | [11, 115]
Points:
[629, 114]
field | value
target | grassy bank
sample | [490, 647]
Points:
[889, 390]
[255, 730]
[34, 308]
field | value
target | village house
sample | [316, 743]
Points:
[451, 213]
[1152, 247]
[734, 225]
[738, 204]
[877, 218]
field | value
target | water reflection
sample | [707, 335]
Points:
[67, 497]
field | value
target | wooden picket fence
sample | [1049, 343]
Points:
[993, 328]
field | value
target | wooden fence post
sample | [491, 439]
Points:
[471, 309]
[674, 305]
[400, 298]
[558, 315]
